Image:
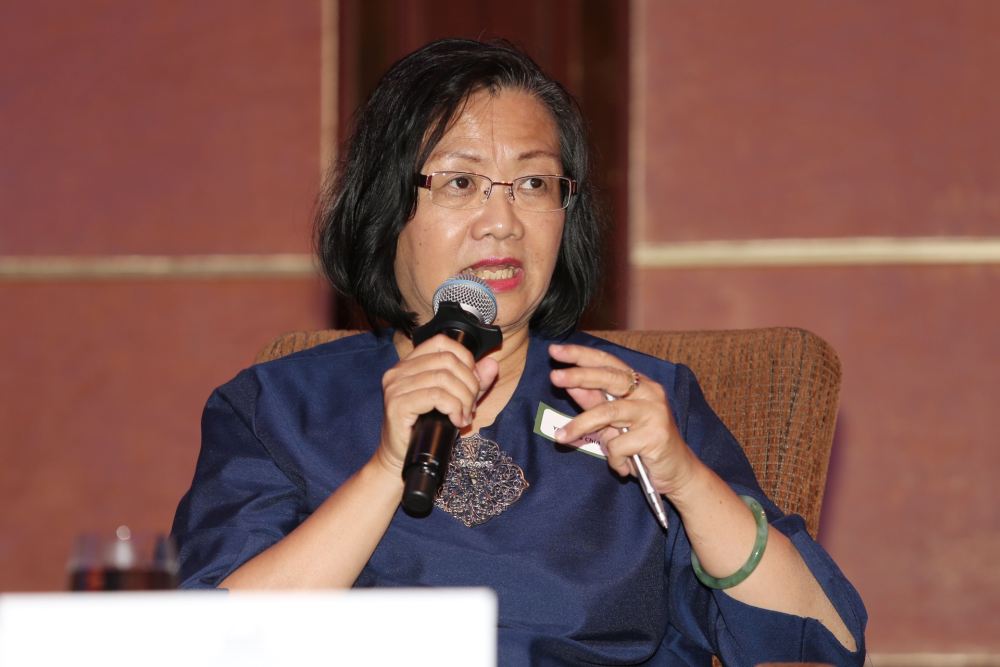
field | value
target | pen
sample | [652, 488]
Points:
[652, 497]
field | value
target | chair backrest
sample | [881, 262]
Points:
[776, 389]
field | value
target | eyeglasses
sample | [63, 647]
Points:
[462, 190]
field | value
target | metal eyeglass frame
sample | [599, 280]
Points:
[424, 181]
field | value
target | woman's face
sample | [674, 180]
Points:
[505, 136]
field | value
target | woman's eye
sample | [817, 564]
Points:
[460, 183]
[533, 185]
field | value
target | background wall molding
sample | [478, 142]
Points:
[122, 267]
[860, 251]
[934, 659]
[856, 251]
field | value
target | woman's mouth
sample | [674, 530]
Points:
[500, 275]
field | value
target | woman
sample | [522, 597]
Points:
[467, 159]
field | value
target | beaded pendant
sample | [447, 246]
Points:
[482, 481]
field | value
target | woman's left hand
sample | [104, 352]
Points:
[641, 408]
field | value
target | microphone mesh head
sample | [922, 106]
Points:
[472, 294]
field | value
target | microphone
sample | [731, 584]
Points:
[464, 306]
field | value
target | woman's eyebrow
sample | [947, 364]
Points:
[477, 159]
[455, 155]
[537, 153]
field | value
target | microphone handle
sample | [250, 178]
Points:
[427, 461]
[429, 453]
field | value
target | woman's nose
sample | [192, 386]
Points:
[499, 217]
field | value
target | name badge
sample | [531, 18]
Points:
[548, 419]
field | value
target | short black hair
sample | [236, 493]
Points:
[372, 191]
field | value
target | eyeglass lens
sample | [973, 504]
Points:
[532, 193]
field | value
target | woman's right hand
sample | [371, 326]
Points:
[331, 547]
[439, 374]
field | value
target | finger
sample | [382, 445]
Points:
[618, 461]
[587, 398]
[605, 414]
[487, 369]
[622, 465]
[463, 385]
[623, 448]
[434, 379]
[442, 343]
[431, 362]
[615, 381]
[580, 355]
[408, 404]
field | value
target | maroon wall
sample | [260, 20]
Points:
[789, 119]
[170, 128]
[187, 128]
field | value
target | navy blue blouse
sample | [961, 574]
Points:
[582, 571]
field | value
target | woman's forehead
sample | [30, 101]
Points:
[511, 124]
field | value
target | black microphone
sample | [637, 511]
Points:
[463, 308]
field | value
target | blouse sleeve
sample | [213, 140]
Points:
[241, 501]
[739, 633]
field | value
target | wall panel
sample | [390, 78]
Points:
[170, 128]
[853, 120]
[103, 386]
[911, 491]
[158, 127]
[813, 119]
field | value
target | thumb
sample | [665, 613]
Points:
[487, 370]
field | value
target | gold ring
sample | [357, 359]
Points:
[635, 384]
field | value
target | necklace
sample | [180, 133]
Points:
[481, 483]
